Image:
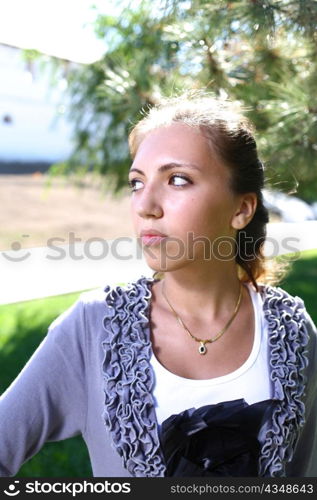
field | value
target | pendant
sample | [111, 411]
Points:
[202, 349]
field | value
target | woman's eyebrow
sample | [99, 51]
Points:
[168, 166]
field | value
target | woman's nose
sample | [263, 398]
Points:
[149, 204]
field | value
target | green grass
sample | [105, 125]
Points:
[24, 325]
[302, 281]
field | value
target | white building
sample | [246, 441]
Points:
[33, 127]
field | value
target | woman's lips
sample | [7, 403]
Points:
[151, 236]
[152, 239]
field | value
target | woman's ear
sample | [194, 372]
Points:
[245, 210]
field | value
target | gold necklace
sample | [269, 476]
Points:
[202, 349]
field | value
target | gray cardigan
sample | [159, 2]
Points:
[92, 376]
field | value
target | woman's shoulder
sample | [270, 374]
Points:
[279, 297]
[94, 307]
[286, 308]
[278, 294]
[113, 295]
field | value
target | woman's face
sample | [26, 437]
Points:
[181, 189]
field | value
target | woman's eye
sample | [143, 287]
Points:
[178, 180]
[182, 180]
[132, 184]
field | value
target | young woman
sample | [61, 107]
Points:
[202, 370]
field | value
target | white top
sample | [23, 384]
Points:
[250, 381]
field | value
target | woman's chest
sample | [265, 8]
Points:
[179, 353]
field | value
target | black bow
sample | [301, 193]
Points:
[215, 440]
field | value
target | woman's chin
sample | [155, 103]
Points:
[157, 267]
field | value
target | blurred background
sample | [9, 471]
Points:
[75, 75]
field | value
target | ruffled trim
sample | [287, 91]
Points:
[288, 338]
[129, 412]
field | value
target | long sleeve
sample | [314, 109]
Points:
[47, 401]
[304, 462]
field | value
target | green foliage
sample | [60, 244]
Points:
[259, 52]
[302, 280]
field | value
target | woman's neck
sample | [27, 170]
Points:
[207, 292]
